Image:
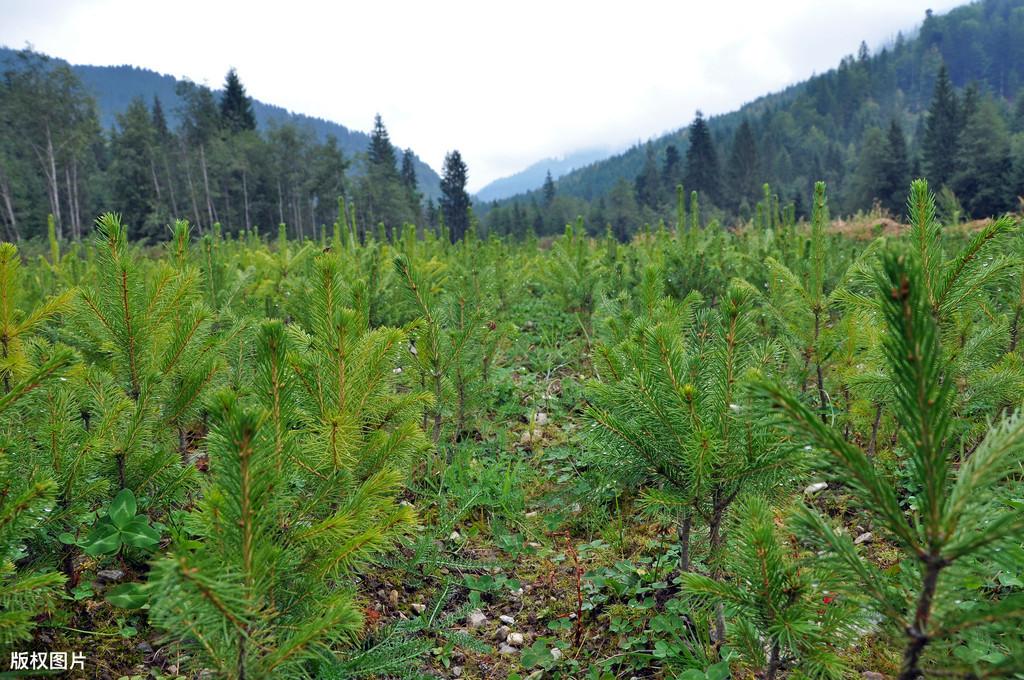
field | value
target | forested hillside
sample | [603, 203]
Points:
[76, 139]
[866, 127]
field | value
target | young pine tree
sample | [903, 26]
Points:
[961, 516]
[669, 415]
[777, 602]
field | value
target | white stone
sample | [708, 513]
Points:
[556, 653]
[505, 618]
[476, 618]
[507, 650]
[815, 488]
[419, 608]
[515, 639]
[863, 538]
[541, 419]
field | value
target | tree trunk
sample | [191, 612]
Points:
[683, 532]
[170, 188]
[773, 662]
[12, 218]
[51, 181]
[917, 632]
[206, 185]
[245, 198]
[191, 187]
[873, 442]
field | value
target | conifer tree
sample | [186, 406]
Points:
[779, 603]
[895, 171]
[235, 105]
[455, 203]
[942, 132]
[983, 171]
[702, 174]
[959, 518]
[149, 337]
[744, 170]
[548, 190]
[648, 183]
[671, 415]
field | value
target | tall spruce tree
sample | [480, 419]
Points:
[983, 173]
[132, 164]
[648, 184]
[235, 105]
[942, 132]
[548, 190]
[454, 199]
[896, 171]
[671, 170]
[702, 174]
[744, 170]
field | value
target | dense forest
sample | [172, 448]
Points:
[946, 104]
[214, 166]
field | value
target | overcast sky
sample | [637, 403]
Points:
[505, 83]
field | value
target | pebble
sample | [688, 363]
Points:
[455, 536]
[556, 653]
[418, 607]
[502, 633]
[110, 575]
[476, 618]
[541, 419]
[815, 488]
[507, 650]
[516, 639]
[393, 599]
[456, 671]
[505, 618]
[863, 538]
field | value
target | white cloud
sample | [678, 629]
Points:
[504, 83]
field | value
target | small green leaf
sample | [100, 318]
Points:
[128, 596]
[67, 538]
[122, 509]
[139, 534]
[104, 540]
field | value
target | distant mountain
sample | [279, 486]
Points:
[819, 128]
[533, 176]
[114, 88]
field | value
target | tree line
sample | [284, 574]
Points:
[213, 167]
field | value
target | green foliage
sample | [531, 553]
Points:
[960, 516]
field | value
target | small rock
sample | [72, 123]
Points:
[456, 671]
[872, 675]
[505, 618]
[815, 488]
[393, 599]
[576, 508]
[863, 538]
[556, 653]
[507, 650]
[532, 513]
[418, 607]
[502, 633]
[144, 647]
[109, 575]
[515, 639]
[455, 536]
[541, 419]
[476, 618]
